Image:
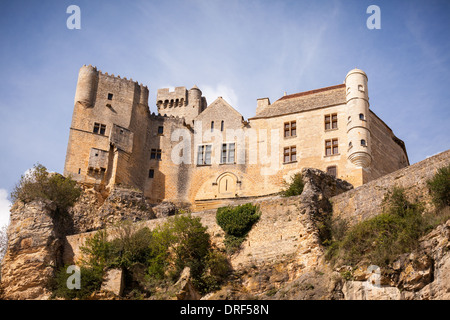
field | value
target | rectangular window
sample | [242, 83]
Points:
[204, 155]
[290, 154]
[155, 154]
[331, 147]
[99, 128]
[331, 121]
[110, 96]
[332, 171]
[290, 129]
[160, 130]
[228, 153]
[151, 173]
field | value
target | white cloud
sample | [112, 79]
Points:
[5, 205]
[211, 93]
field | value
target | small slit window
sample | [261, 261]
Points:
[151, 173]
[361, 116]
[363, 143]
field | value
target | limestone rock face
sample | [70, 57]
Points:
[184, 288]
[33, 251]
[98, 209]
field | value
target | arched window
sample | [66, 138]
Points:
[212, 126]
[361, 116]
[363, 143]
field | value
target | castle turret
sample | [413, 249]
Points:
[143, 97]
[87, 86]
[357, 97]
[182, 103]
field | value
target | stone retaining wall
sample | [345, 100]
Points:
[366, 201]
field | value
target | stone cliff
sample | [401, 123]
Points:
[281, 258]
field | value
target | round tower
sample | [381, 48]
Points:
[194, 96]
[87, 86]
[358, 133]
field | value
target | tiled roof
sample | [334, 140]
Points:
[305, 101]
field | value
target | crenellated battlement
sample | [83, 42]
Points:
[112, 76]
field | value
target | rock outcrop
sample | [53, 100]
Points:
[34, 247]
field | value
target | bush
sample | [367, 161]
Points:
[90, 281]
[236, 222]
[382, 238]
[295, 187]
[164, 252]
[40, 184]
[439, 187]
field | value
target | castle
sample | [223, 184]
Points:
[203, 155]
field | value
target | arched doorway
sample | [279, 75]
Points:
[227, 184]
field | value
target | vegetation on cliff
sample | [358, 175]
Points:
[151, 259]
[38, 183]
[397, 230]
[294, 187]
[236, 222]
[439, 187]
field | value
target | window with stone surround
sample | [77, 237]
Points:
[99, 128]
[331, 147]
[228, 153]
[331, 121]
[332, 171]
[155, 154]
[290, 129]
[290, 154]
[204, 155]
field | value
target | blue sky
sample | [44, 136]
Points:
[241, 50]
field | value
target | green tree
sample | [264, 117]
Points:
[38, 183]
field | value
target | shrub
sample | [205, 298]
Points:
[382, 238]
[295, 187]
[236, 222]
[439, 187]
[164, 252]
[40, 184]
[90, 281]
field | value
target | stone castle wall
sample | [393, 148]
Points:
[366, 201]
